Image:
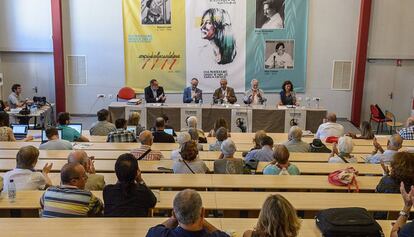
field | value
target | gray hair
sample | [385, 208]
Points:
[345, 144]
[395, 142]
[192, 121]
[183, 137]
[194, 134]
[252, 81]
[78, 156]
[187, 206]
[410, 121]
[228, 148]
[295, 133]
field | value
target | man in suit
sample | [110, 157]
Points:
[192, 93]
[154, 93]
[224, 94]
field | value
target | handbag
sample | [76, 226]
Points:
[344, 177]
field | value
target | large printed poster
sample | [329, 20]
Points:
[174, 41]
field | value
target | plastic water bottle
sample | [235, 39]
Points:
[11, 191]
[284, 171]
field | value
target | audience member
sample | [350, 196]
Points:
[258, 136]
[194, 136]
[6, 133]
[133, 120]
[281, 163]
[220, 122]
[70, 199]
[54, 143]
[24, 176]
[317, 146]
[121, 134]
[187, 219]
[221, 135]
[277, 218]
[295, 143]
[366, 132]
[400, 228]
[167, 124]
[129, 197]
[94, 181]
[102, 127]
[393, 145]
[145, 152]
[192, 124]
[190, 162]
[341, 153]
[182, 138]
[160, 136]
[330, 128]
[407, 133]
[68, 133]
[263, 154]
[229, 164]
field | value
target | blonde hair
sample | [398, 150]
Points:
[277, 218]
[258, 136]
[134, 118]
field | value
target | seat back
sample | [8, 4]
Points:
[126, 93]
[374, 111]
[391, 117]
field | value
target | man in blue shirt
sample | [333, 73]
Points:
[68, 133]
[187, 219]
[263, 154]
[379, 155]
[192, 93]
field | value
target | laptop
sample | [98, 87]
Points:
[169, 131]
[76, 126]
[20, 131]
[44, 137]
[132, 128]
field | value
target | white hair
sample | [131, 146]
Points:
[345, 144]
[192, 121]
[254, 80]
[187, 206]
[295, 133]
[228, 148]
[183, 137]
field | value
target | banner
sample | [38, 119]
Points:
[154, 38]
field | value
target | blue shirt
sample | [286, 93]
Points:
[264, 154]
[274, 170]
[387, 157]
[407, 230]
[162, 231]
[68, 133]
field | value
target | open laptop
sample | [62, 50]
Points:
[20, 131]
[44, 137]
[132, 128]
[76, 126]
[169, 131]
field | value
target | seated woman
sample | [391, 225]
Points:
[133, 120]
[229, 164]
[220, 122]
[281, 163]
[194, 136]
[221, 135]
[182, 138]
[366, 132]
[190, 162]
[341, 153]
[277, 218]
[6, 133]
[129, 197]
[287, 95]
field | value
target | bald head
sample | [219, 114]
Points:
[159, 123]
[394, 142]
[71, 171]
[78, 156]
[145, 137]
[295, 133]
[410, 121]
[188, 207]
[331, 117]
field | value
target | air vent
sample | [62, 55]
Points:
[77, 70]
[342, 75]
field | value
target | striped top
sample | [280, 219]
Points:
[152, 155]
[69, 201]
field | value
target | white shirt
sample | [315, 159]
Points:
[175, 154]
[275, 22]
[329, 129]
[337, 159]
[224, 92]
[24, 179]
[279, 61]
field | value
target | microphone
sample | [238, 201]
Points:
[274, 61]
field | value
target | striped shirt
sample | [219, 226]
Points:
[69, 201]
[152, 155]
[121, 135]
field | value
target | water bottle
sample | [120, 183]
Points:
[284, 171]
[11, 191]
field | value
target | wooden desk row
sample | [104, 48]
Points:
[110, 227]
[303, 201]
[153, 166]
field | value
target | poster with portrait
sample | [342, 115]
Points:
[241, 120]
[279, 55]
[155, 12]
[270, 14]
[216, 42]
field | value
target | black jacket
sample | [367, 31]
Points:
[149, 97]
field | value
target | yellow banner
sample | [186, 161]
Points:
[154, 41]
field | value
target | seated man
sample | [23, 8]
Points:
[145, 152]
[192, 123]
[254, 96]
[295, 143]
[393, 145]
[154, 93]
[330, 128]
[187, 219]
[54, 143]
[221, 135]
[94, 181]
[70, 199]
[224, 94]
[407, 133]
[68, 133]
[102, 127]
[24, 176]
[159, 135]
[14, 98]
[121, 134]
[192, 93]
[263, 154]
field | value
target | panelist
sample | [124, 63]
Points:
[192, 93]
[154, 93]
[14, 98]
[224, 94]
[254, 96]
[287, 95]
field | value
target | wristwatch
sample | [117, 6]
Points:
[403, 213]
[142, 182]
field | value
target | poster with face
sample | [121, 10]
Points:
[216, 42]
[279, 54]
[156, 12]
[270, 14]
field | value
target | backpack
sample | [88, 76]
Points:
[347, 222]
[344, 177]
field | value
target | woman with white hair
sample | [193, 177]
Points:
[341, 153]
[229, 164]
[182, 138]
